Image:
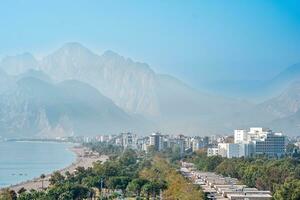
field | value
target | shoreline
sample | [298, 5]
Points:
[84, 158]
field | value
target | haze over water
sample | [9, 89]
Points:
[21, 161]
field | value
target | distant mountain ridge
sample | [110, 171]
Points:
[118, 78]
[137, 98]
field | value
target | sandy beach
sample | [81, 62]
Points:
[85, 158]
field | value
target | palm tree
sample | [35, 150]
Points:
[42, 177]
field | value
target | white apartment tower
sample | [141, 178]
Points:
[240, 136]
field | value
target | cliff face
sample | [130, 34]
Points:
[33, 107]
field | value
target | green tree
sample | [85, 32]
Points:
[154, 188]
[213, 162]
[118, 182]
[136, 186]
[56, 178]
[147, 189]
[129, 157]
[289, 190]
[33, 195]
[65, 196]
[80, 192]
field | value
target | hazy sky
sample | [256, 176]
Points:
[193, 40]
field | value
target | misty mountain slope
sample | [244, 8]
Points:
[289, 124]
[242, 89]
[280, 83]
[286, 104]
[287, 76]
[37, 108]
[32, 73]
[187, 110]
[6, 81]
[127, 83]
[284, 109]
[171, 93]
[70, 60]
[137, 89]
[148, 101]
[15, 65]
[256, 90]
[133, 86]
[21, 108]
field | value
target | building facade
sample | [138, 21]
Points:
[156, 140]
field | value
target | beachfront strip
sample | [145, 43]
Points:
[218, 187]
[85, 158]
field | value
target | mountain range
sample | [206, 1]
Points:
[75, 91]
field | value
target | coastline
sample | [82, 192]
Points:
[82, 160]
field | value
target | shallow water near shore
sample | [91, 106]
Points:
[21, 161]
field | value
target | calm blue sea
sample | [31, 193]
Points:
[20, 161]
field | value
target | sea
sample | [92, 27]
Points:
[25, 160]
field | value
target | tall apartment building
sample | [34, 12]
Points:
[156, 140]
[240, 136]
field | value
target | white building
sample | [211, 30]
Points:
[233, 150]
[212, 151]
[260, 141]
[257, 133]
[104, 138]
[222, 149]
[240, 136]
[187, 143]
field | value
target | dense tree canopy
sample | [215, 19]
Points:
[280, 176]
